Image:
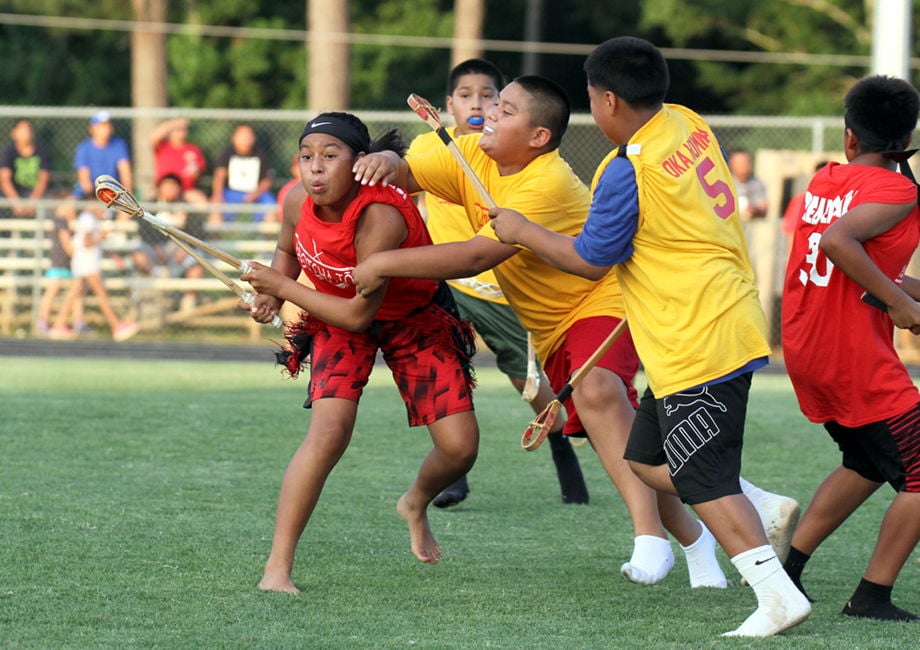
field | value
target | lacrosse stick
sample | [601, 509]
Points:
[246, 296]
[536, 433]
[430, 114]
[432, 117]
[532, 385]
[114, 195]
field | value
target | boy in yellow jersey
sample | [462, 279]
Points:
[472, 88]
[664, 216]
[517, 159]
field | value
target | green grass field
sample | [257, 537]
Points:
[137, 502]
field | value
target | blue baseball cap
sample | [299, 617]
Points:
[99, 118]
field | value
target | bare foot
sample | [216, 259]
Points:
[424, 545]
[277, 581]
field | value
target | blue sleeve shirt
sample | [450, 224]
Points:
[607, 237]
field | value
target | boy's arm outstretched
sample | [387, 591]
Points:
[435, 262]
[554, 248]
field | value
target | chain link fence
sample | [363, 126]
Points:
[785, 151]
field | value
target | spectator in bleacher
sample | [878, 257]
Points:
[175, 156]
[58, 274]
[86, 267]
[25, 168]
[102, 152]
[243, 174]
[157, 254]
[752, 208]
[752, 193]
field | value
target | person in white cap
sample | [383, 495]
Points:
[102, 152]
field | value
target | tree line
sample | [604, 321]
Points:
[74, 64]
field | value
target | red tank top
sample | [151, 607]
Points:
[326, 251]
[839, 352]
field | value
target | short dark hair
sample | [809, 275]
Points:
[169, 177]
[882, 112]
[474, 66]
[631, 68]
[549, 106]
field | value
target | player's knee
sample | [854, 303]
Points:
[601, 389]
[646, 473]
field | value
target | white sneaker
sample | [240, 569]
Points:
[125, 330]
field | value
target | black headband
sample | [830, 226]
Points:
[338, 128]
[872, 141]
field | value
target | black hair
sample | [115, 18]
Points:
[882, 112]
[353, 132]
[169, 177]
[632, 69]
[549, 106]
[474, 66]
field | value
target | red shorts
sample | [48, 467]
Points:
[582, 339]
[418, 350]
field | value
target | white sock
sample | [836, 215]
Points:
[780, 605]
[702, 564]
[778, 515]
[651, 561]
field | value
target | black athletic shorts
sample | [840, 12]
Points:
[887, 451]
[698, 434]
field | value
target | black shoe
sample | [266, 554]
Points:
[568, 469]
[878, 611]
[452, 494]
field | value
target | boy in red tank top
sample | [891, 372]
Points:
[856, 233]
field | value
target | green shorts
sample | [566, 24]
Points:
[500, 329]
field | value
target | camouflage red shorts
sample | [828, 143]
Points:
[428, 371]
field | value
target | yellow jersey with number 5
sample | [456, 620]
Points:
[688, 285]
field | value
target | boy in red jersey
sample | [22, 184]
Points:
[856, 233]
[331, 222]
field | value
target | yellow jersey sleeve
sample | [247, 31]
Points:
[447, 222]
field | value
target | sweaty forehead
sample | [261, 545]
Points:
[514, 96]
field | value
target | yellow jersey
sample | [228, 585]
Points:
[546, 300]
[686, 277]
[447, 222]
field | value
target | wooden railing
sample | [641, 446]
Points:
[151, 301]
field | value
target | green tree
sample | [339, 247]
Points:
[60, 66]
[805, 27]
[383, 76]
[221, 72]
